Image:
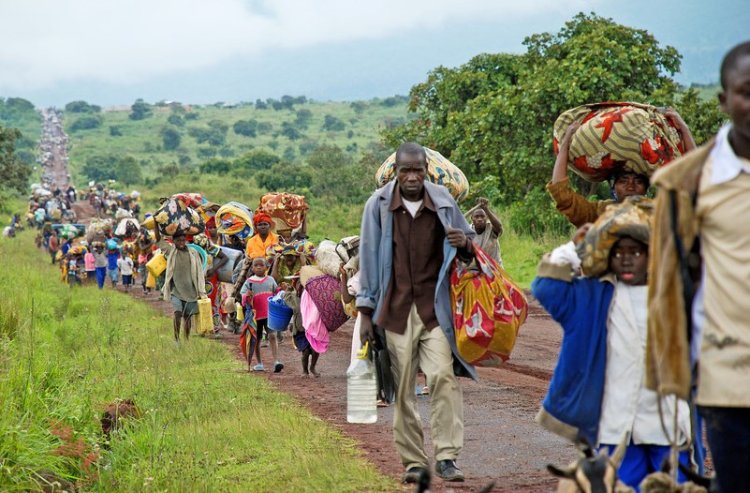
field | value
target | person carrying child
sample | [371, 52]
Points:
[255, 292]
[597, 394]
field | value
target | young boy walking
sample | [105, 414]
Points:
[125, 264]
[597, 391]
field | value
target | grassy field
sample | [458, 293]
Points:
[206, 425]
[141, 139]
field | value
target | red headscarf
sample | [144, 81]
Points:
[262, 217]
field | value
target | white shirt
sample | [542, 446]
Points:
[627, 406]
[126, 266]
[412, 206]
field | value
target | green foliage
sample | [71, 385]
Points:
[115, 131]
[289, 130]
[704, 115]
[333, 124]
[493, 116]
[86, 123]
[285, 177]
[176, 120]
[14, 173]
[304, 116]
[217, 166]
[334, 174]
[128, 171]
[100, 168]
[248, 128]
[82, 107]
[255, 160]
[140, 110]
[171, 138]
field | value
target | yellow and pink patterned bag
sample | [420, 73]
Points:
[488, 310]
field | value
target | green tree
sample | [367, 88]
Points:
[128, 171]
[115, 131]
[334, 175]
[217, 166]
[255, 160]
[494, 115]
[100, 168]
[14, 173]
[289, 131]
[170, 137]
[303, 118]
[285, 177]
[248, 128]
[82, 107]
[140, 110]
[176, 120]
[86, 123]
[333, 124]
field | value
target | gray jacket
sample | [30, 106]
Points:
[376, 258]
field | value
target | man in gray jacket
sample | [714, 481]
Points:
[411, 232]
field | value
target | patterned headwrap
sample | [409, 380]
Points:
[631, 219]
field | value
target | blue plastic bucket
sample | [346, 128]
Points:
[279, 314]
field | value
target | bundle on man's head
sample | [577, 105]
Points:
[631, 218]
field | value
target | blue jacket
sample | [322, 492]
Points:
[376, 258]
[572, 407]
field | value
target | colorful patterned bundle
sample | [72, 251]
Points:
[174, 215]
[489, 309]
[287, 209]
[234, 218]
[614, 134]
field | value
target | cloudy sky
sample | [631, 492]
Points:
[114, 51]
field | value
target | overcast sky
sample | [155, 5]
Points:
[114, 51]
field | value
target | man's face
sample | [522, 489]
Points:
[410, 172]
[180, 242]
[735, 100]
[630, 184]
[263, 228]
[629, 262]
[479, 220]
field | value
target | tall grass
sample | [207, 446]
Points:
[207, 425]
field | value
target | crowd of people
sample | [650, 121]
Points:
[649, 293]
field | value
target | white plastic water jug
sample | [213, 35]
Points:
[361, 390]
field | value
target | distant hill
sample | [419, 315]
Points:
[186, 135]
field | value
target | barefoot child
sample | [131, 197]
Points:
[597, 392]
[255, 293]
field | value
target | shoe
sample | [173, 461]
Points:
[414, 475]
[448, 470]
[278, 366]
[259, 367]
[425, 390]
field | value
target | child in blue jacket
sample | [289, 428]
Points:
[597, 391]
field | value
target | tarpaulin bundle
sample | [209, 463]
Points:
[128, 227]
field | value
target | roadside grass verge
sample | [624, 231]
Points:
[206, 425]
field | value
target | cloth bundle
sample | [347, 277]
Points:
[614, 134]
[68, 231]
[99, 229]
[325, 293]
[630, 218]
[234, 218]
[287, 209]
[327, 259]
[489, 309]
[175, 215]
[128, 227]
[440, 171]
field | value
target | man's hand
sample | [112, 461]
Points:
[456, 237]
[483, 203]
[366, 331]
